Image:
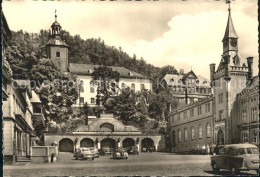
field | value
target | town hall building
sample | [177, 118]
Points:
[230, 114]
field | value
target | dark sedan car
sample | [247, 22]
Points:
[133, 150]
[105, 151]
[120, 153]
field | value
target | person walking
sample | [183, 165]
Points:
[203, 148]
[208, 149]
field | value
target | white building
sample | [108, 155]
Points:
[88, 91]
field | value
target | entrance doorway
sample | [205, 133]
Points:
[86, 142]
[108, 142]
[66, 145]
[220, 137]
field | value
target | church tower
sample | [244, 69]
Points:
[56, 48]
[229, 79]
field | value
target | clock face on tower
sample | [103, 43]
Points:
[57, 41]
[233, 42]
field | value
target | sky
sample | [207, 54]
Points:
[184, 34]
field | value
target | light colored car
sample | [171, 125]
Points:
[236, 157]
[120, 153]
[95, 151]
[84, 153]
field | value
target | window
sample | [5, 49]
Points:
[172, 80]
[123, 85]
[179, 117]
[220, 98]
[255, 136]
[81, 86]
[142, 86]
[221, 115]
[192, 112]
[185, 114]
[200, 131]
[57, 54]
[185, 134]
[133, 87]
[244, 116]
[92, 100]
[92, 88]
[179, 135]
[199, 110]
[244, 138]
[207, 107]
[173, 138]
[208, 130]
[254, 115]
[81, 100]
[192, 133]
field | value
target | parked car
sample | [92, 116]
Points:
[120, 153]
[236, 157]
[133, 150]
[84, 153]
[105, 151]
[95, 151]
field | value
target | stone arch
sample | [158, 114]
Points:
[220, 137]
[108, 142]
[107, 127]
[66, 145]
[87, 142]
[127, 142]
[146, 142]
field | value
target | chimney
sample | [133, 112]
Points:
[250, 68]
[181, 71]
[227, 71]
[212, 71]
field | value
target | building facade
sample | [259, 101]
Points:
[186, 87]
[18, 110]
[247, 113]
[104, 131]
[88, 90]
[192, 125]
[233, 117]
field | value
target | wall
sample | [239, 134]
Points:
[8, 136]
[63, 59]
[87, 94]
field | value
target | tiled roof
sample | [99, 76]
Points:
[230, 30]
[177, 80]
[87, 69]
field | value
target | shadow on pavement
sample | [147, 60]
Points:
[228, 173]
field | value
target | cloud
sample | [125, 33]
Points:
[195, 41]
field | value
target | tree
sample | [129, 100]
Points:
[106, 79]
[57, 90]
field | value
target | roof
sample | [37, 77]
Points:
[230, 30]
[35, 98]
[87, 69]
[55, 24]
[177, 80]
[173, 80]
[52, 42]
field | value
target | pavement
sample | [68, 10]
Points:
[144, 164]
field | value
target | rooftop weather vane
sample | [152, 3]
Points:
[228, 2]
[55, 15]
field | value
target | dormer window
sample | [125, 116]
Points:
[197, 81]
[172, 80]
[179, 81]
[130, 73]
[90, 71]
[204, 82]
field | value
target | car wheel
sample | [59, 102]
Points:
[125, 158]
[215, 167]
[234, 171]
[92, 158]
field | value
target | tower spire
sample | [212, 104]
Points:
[230, 30]
[55, 15]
